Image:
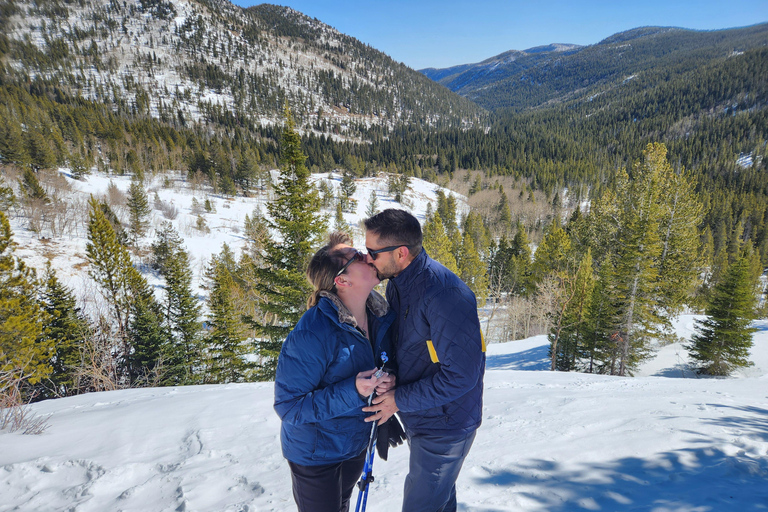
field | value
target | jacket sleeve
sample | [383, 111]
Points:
[299, 393]
[456, 338]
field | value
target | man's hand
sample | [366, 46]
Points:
[386, 382]
[383, 407]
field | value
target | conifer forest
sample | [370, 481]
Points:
[604, 195]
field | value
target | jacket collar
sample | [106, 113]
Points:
[413, 269]
[375, 303]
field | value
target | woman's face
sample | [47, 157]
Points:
[358, 273]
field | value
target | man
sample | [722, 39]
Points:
[440, 356]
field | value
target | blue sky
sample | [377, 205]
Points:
[443, 33]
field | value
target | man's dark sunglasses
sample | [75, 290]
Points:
[358, 256]
[375, 254]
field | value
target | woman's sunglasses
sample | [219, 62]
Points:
[357, 256]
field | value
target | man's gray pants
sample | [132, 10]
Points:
[435, 464]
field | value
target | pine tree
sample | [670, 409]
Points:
[505, 215]
[227, 349]
[13, 149]
[600, 333]
[138, 210]
[111, 268]
[446, 207]
[437, 244]
[339, 224]
[347, 189]
[32, 188]
[78, 166]
[7, 198]
[294, 215]
[553, 254]
[373, 205]
[474, 225]
[183, 354]
[147, 335]
[472, 270]
[680, 263]
[25, 353]
[722, 341]
[67, 329]
[520, 250]
[647, 231]
[567, 334]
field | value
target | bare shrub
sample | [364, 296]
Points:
[169, 210]
[115, 196]
[98, 369]
[15, 414]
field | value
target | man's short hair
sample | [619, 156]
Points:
[396, 227]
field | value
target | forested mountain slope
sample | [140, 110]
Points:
[519, 80]
[210, 61]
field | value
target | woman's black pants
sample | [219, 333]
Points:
[326, 488]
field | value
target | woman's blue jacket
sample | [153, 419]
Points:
[315, 393]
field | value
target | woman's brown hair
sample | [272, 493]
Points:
[324, 265]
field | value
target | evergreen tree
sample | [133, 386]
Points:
[246, 172]
[25, 352]
[471, 268]
[138, 210]
[722, 340]
[567, 334]
[638, 249]
[78, 165]
[67, 329]
[650, 235]
[601, 331]
[339, 224]
[504, 213]
[294, 216]
[7, 198]
[680, 264]
[437, 244]
[553, 254]
[520, 250]
[446, 207]
[111, 268]
[32, 188]
[347, 189]
[183, 355]
[474, 225]
[373, 205]
[147, 335]
[13, 149]
[227, 347]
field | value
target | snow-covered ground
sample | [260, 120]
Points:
[550, 442]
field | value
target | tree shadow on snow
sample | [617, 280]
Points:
[535, 359]
[753, 426]
[700, 479]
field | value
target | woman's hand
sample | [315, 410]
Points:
[366, 382]
[386, 382]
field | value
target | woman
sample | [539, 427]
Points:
[325, 375]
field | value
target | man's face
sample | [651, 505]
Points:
[387, 263]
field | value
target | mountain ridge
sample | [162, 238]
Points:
[196, 61]
[525, 79]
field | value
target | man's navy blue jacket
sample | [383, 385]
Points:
[315, 394]
[439, 349]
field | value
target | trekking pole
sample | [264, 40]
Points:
[367, 477]
[370, 452]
